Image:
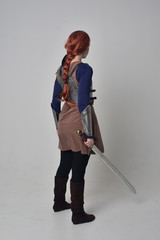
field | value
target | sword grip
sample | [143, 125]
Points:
[84, 138]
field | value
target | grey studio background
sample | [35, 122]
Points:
[125, 57]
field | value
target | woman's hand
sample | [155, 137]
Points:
[89, 143]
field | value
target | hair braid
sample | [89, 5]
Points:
[76, 44]
[65, 92]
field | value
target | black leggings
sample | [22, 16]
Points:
[75, 161]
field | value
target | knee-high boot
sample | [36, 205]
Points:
[77, 201]
[59, 194]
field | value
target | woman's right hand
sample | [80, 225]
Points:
[89, 143]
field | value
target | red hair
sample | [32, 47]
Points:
[76, 44]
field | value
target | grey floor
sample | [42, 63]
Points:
[26, 205]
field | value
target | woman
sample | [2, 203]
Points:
[73, 85]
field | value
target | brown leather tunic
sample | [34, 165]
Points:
[70, 121]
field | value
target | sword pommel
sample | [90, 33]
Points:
[82, 135]
[79, 132]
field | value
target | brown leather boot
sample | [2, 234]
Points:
[77, 201]
[59, 195]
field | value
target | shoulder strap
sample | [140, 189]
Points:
[74, 69]
[59, 74]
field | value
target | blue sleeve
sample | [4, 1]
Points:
[84, 78]
[56, 104]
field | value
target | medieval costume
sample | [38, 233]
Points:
[77, 114]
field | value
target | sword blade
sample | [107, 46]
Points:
[113, 168]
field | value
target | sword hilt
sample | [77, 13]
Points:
[84, 138]
[82, 135]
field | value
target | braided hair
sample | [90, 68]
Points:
[76, 44]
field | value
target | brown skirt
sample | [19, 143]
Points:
[68, 124]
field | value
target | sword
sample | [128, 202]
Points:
[109, 164]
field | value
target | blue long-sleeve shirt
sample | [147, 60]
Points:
[84, 77]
